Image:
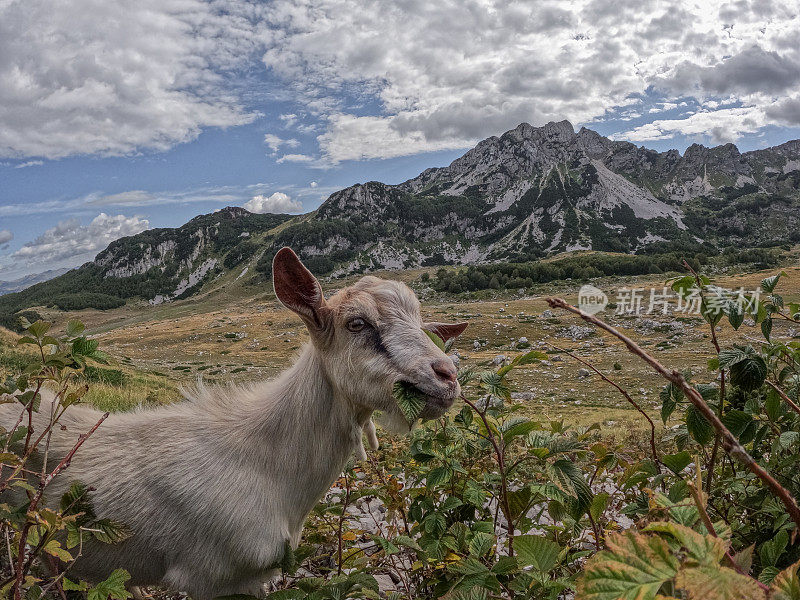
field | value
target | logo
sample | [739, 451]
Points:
[591, 299]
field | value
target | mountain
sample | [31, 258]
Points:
[525, 194]
[17, 285]
[535, 190]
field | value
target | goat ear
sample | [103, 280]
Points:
[446, 331]
[297, 288]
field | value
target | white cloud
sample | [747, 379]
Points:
[29, 163]
[313, 184]
[289, 120]
[71, 243]
[276, 203]
[93, 77]
[5, 237]
[721, 126]
[446, 74]
[372, 80]
[296, 158]
[274, 142]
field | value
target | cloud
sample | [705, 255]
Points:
[276, 203]
[5, 237]
[721, 126]
[433, 76]
[753, 70]
[70, 242]
[356, 138]
[30, 163]
[274, 142]
[786, 111]
[91, 77]
[135, 197]
[296, 158]
[313, 184]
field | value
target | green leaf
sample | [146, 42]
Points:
[84, 347]
[599, 504]
[744, 559]
[768, 284]
[771, 550]
[481, 544]
[72, 586]
[704, 549]
[112, 587]
[786, 585]
[528, 358]
[749, 374]
[517, 429]
[737, 421]
[74, 328]
[505, 565]
[495, 385]
[439, 476]
[634, 567]
[39, 329]
[719, 583]
[386, 545]
[670, 395]
[766, 327]
[409, 399]
[519, 500]
[677, 462]
[404, 540]
[435, 339]
[735, 315]
[537, 552]
[569, 472]
[700, 429]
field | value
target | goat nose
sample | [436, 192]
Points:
[444, 369]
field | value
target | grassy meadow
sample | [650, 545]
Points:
[243, 334]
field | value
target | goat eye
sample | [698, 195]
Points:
[356, 324]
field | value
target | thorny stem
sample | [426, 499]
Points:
[784, 396]
[627, 397]
[342, 517]
[729, 441]
[501, 463]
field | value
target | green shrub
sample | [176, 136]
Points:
[35, 535]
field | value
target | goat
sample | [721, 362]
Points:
[214, 487]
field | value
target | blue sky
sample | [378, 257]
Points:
[115, 119]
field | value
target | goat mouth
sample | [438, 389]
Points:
[435, 401]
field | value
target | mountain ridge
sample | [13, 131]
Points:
[527, 193]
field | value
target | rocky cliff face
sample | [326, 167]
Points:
[535, 190]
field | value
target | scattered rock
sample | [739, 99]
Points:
[547, 313]
[584, 372]
[499, 359]
[576, 332]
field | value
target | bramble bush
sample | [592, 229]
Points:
[36, 536]
[488, 502]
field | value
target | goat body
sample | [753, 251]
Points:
[214, 487]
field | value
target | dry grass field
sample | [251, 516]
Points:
[243, 334]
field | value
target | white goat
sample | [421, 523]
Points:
[214, 487]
